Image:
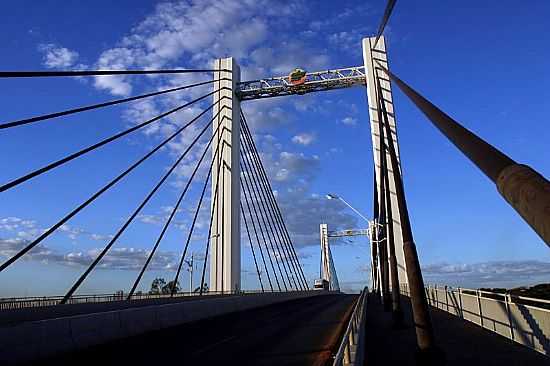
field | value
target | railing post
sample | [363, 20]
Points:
[460, 302]
[508, 301]
[352, 336]
[479, 306]
[446, 298]
[347, 356]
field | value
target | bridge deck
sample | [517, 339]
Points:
[298, 332]
[463, 342]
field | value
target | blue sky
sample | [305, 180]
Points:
[485, 64]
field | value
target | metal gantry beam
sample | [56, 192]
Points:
[315, 81]
[349, 232]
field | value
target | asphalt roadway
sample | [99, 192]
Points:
[298, 332]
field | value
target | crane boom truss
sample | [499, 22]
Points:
[351, 232]
[315, 81]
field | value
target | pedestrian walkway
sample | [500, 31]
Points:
[463, 342]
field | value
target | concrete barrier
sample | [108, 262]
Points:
[43, 338]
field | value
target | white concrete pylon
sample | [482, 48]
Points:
[371, 57]
[328, 271]
[325, 265]
[225, 253]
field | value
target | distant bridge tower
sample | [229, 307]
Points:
[328, 272]
[372, 56]
[225, 255]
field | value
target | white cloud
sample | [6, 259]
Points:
[191, 35]
[292, 175]
[349, 121]
[290, 167]
[71, 232]
[25, 229]
[488, 274]
[55, 56]
[304, 138]
[125, 258]
[14, 223]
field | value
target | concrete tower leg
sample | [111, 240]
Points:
[225, 254]
[372, 55]
[325, 265]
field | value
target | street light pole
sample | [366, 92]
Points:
[190, 268]
[331, 196]
[375, 248]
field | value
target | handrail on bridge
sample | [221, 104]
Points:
[351, 350]
[519, 318]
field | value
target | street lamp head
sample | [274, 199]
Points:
[331, 196]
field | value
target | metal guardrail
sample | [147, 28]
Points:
[522, 319]
[351, 350]
[38, 301]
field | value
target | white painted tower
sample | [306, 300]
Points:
[225, 254]
[328, 272]
[372, 56]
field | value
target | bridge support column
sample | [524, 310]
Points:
[328, 272]
[325, 267]
[225, 254]
[371, 55]
[428, 353]
[325, 258]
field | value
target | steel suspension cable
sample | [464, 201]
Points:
[256, 234]
[274, 204]
[247, 192]
[251, 247]
[274, 201]
[102, 190]
[172, 214]
[265, 228]
[134, 214]
[387, 13]
[38, 74]
[208, 238]
[273, 213]
[96, 106]
[73, 156]
[266, 181]
[263, 201]
[199, 204]
[502, 170]
[333, 271]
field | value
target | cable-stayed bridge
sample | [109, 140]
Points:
[395, 320]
